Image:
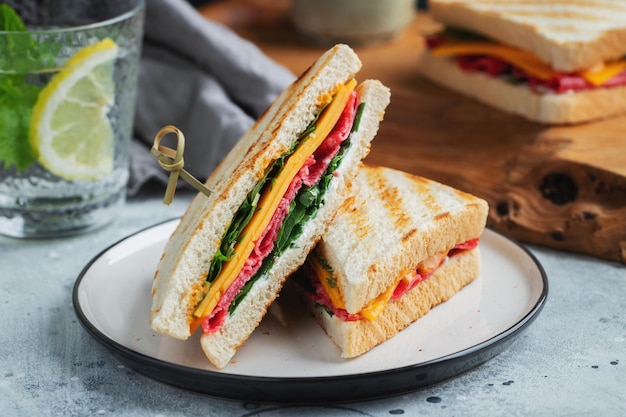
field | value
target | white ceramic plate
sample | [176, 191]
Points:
[289, 358]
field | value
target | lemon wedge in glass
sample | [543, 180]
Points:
[70, 131]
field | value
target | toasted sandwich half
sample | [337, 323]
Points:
[273, 197]
[554, 62]
[399, 247]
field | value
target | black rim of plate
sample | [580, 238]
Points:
[312, 390]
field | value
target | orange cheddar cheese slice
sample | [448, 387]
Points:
[598, 76]
[527, 61]
[377, 305]
[522, 59]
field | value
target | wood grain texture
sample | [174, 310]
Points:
[562, 187]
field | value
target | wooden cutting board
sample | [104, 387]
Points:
[562, 187]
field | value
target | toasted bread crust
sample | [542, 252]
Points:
[568, 35]
[549, 108]
[354, 338]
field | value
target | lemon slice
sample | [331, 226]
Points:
[70, 130]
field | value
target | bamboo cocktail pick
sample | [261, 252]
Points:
[172, 161]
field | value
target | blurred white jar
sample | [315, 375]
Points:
[355, 22]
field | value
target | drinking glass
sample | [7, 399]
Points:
[68, 80]
[355, 22]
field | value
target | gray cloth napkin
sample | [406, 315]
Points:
[204, 79]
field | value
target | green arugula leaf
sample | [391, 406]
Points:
[454, 32]
[324, 263]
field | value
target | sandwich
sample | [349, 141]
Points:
[272, 198]
[400, 246]
[553, 62]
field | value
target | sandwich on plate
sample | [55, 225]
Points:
[272, 198]
[554, 62]
[399, 247]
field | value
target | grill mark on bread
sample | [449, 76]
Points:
[360, 226]
[443, 215]
[421, 187]
[407, 236]
[466, 197]
[254, 152]
[389, 195]
[347, 205]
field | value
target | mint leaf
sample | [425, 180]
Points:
[9, 20]
[16, 104]
[15, 46]
[20, 54]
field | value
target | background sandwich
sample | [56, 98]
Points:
[402, 245]
[273, 196]
[549, 61]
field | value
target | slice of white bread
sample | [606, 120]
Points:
[221, 346]
[393, 222]
[568, 35]
[549, 108]
[354, 338]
